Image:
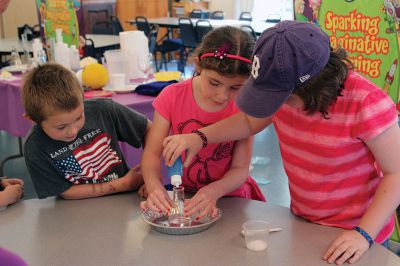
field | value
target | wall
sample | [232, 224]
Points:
[232, 8]
[18, 13]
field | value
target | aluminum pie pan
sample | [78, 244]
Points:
[159, 222]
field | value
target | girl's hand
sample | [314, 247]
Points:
[143, 191]
[203, 202]
[175, 145]
[349, 246]
[158, 200]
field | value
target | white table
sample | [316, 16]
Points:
[100, 41]
[7, 44]
[173, 22]
[103, 40]
[109, 231]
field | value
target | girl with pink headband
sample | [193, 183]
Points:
[223, 62]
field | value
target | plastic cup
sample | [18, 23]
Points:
[256, 234]
[117, 62]
[117, 81]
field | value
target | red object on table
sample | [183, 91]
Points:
[98, 94]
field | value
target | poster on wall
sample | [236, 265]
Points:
[60, 14]
[368, 30]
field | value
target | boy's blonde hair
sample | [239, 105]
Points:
[48, 88]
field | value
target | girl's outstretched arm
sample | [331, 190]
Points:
[235, 127]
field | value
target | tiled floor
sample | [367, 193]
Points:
[267, 167]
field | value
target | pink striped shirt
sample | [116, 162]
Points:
[332, 174]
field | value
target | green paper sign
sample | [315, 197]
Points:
[54, 14]
[368, 30]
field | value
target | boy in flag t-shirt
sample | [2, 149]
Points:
[72, 150]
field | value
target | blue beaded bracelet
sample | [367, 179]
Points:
[365, 235]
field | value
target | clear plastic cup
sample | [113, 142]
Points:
[256, 234]
[117, 81]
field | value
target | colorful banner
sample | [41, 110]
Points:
[368, 30]
[62, 14]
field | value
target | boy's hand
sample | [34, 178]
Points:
[132, 180]
[13, 193]
[175, 145]
[203, 202]
[349, 246]
[11, 181]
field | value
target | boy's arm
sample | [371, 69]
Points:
[131, 181]
[206, 198]
[151, 164]
[386, 150]
[235, 127]
[130, 125]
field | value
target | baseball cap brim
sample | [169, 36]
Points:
[259, 101]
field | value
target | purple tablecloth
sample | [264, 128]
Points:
[13, 122]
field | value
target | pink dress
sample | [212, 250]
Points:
[177, 105]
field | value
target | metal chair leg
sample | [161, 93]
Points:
[19, 155]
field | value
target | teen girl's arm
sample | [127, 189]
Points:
[157, 198]
[235, 127]
[131, 181]
[206, 198]
[351, 245]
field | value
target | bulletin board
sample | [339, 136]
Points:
[368, 30]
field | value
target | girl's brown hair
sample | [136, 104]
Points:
[322, 91]
[238, 42]
[48, 88]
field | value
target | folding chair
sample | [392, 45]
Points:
[217, 15]
[202, 28]
[245, 15]
[163, 46]
[249, 30]
[273, 18]
[189, 40]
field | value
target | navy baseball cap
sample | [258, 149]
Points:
[286, 55]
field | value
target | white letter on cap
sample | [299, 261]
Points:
[304, 78]
[255, 67]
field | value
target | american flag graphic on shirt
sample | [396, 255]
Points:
[89, 163]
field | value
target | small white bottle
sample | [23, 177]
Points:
[36, 47]
[74, 58]
[175, 172]
[61, 51]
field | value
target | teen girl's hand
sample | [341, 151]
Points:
[203, 202]
[349, 246]
[175, 145]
